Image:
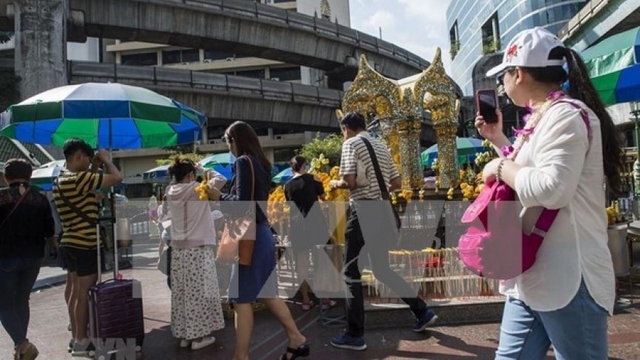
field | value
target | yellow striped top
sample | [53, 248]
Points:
[79, 189]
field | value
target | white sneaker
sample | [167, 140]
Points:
[206, 341]
[184, 343]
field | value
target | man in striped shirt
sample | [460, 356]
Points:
[77, 205]
[378, 228]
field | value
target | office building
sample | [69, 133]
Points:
[480, 28]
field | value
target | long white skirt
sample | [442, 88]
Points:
[195, 296]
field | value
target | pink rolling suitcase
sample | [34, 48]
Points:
[116, 320]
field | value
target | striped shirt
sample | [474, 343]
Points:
[354, 149]
[79, 189]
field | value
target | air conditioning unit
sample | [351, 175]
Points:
[275, 78]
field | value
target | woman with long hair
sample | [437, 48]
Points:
[252, 176]
[196, 310]
[566, 152]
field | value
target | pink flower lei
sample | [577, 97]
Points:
[524, 131]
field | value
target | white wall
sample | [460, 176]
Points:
[89, 51]
[339, 10]
[620, 113]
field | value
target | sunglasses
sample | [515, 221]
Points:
[500, 76]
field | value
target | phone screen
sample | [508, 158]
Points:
[487, 105]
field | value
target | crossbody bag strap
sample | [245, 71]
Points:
[376, 168]
[73, 207]
[253, 179]
[20, 199]
[253, 183]
[547, 217]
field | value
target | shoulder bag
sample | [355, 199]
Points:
[101, 231]
[491, 248]
[383, 186]
[239, 235]
[20, 199]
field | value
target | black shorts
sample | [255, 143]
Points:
[82, 262]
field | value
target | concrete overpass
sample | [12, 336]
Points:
[237, 26]
[226, 98]
[600, 19]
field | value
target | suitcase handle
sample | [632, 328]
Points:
[99, 255]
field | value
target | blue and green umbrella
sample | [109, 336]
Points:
[221, 163]
[614, 68]
[283, 176]
[159, 175]
[467, 149]
[44, 177]
[106, 115]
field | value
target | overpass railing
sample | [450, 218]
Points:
[321, 27]
[199, 80]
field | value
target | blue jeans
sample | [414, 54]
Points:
[578, 331]
[17, 276]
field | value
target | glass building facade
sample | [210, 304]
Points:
[480, 27]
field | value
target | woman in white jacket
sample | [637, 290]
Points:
[196, 310]
[567, 151]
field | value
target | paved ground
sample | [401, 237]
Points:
[49, 321]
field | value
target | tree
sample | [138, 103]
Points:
[5, 37]
[330, 146]
[172, 157]
[183, 149]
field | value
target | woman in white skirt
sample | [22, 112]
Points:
[196, 311]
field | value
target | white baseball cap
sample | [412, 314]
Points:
[529, 48]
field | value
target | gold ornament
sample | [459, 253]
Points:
[399, 106]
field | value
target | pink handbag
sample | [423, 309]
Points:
[490, 247]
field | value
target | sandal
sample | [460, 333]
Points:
[306, 306]
[29, 353]
[302, 351]
[328, 304]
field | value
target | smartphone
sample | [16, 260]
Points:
[487, 102]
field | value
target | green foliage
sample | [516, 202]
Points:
[5, 37]
[489, 46]
[183, 149]
[455, 47]
[330, 146]
[9, 92]
[171, 158]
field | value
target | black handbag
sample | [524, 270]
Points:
[383, 187]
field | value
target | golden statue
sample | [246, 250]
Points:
[399, 108]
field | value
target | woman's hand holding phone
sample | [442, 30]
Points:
[492, 131]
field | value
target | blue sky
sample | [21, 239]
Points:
[416, 25]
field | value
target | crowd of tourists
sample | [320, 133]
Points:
[566, 152]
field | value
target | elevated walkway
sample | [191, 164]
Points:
[236, 26]
[226, 97]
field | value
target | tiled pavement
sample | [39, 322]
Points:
[49, 322]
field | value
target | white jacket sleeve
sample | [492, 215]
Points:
[558, 156]
[217, 180]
